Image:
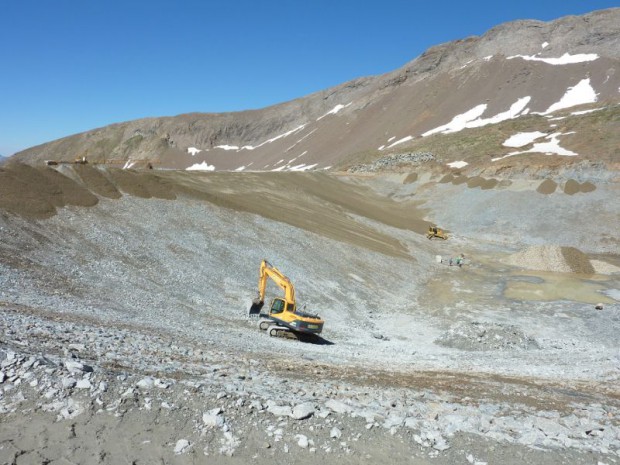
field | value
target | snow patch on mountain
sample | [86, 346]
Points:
[400, 141]
[566, 59]
[204, 166]
[457, 164]
[579, 94]
[548, 148]
[334, 110]
[522, 139]
[193, 151]
[471, 118]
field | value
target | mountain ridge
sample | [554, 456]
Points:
[504, 66]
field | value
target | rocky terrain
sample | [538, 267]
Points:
[125, 334]
[125, 282]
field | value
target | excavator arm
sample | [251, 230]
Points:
[268, 271]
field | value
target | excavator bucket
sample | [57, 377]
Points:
[256, 306]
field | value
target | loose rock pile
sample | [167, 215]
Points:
[486, 336]
[229, 403]
[393, 161]
[552, 258]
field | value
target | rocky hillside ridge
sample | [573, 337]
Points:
[534, 79]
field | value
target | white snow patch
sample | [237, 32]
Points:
[241, 168]
[334, 110]
[129, 164]
[514, 111]
[381, 148]
[268, 141]
[310, 133]
[545, 44]
[566, 59]
[548, 148]
[585, 112]
[400, 141]
[303, 167]
[204, 166]
[459, 122]
[488, 58]
[457, 164]
[465, 65]
[471, 118]
[522, 139]
[577, 95]
[193, 151]
[391, 138]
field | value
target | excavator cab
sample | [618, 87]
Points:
[277, 305]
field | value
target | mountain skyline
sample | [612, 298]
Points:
[71, 74]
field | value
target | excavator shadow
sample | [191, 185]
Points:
[318, 340]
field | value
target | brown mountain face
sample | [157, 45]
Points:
[519, 93]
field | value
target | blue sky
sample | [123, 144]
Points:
[67, 66]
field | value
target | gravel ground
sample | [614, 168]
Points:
[125, 327]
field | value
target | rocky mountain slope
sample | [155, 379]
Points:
[523, 90]
[124, 293]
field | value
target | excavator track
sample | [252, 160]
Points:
[281, 331]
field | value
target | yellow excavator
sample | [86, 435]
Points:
[283, 319]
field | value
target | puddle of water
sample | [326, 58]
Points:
[613, 293]
[557, 286]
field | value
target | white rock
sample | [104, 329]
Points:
[213, 418]
[441, 444]
[393, 421]
[145, 383]
[83, 384]
[68, 382]
[181, 446]
[302, 441]
[335, 433]
[303, 411]
[77, 367]
[161, 384]
[338, 406]
[280, 410]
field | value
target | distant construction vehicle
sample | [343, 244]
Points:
[283, 319]
[434, 231]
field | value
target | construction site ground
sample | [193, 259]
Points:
[126, 337]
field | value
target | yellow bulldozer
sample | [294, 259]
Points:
[283, 318]
[434, 231]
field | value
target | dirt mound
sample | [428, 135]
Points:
[486, 336]
[96, 181]
[552, 258]
[37, 192]
[547, 187]
[476, 181]
[411, 178]
[577, 260]
[571, 187]
[488, 184]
